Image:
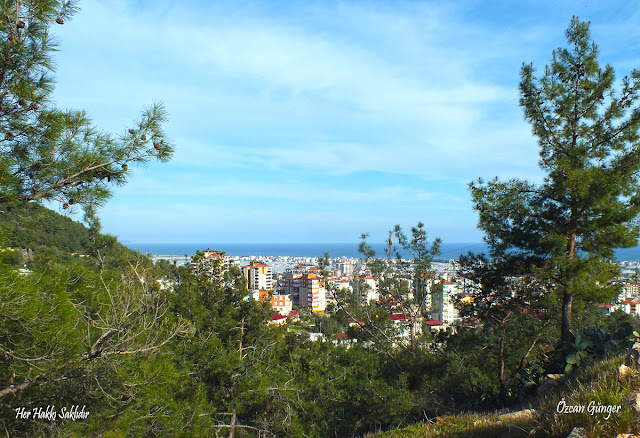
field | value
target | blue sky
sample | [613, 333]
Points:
[319, 121]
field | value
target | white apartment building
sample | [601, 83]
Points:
[259, 276]
[347, 268]
[213, 263]
[367, 287]
[441, 303]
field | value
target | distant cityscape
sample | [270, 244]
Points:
[313, 250]
[294, 283]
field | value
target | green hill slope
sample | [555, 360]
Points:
[34, 227]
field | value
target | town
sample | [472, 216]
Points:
[296, 286]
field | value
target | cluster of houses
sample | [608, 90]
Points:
[628, 301]
[305, 287]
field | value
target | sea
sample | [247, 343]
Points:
[350, 250]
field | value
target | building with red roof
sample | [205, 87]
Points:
[282, 319]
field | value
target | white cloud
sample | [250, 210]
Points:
[333, 89]
[194, 190]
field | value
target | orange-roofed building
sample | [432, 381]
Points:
[212, 263]
[312, 292]
[632, 307]
[261, 295]
[259, 276]
[282, 304]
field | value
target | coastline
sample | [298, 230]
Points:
[314, 250]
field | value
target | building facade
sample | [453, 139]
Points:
[259, 276]
[313, 294]
[441, 303]
[282, 304]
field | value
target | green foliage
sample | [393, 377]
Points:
[169, 351]
[72, 334]
[493, 364]
[598, 383]
[264, 378]
[403, 284]
[592, 343]
[512, 315]
[51, 154]
[33, 226]
[586, 133]
[569, 225]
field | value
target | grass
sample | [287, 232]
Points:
[298, 328]
[599, 383]
[466, 425]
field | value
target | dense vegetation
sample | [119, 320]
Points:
[157, 350]
[197, 359]
[33, 226]
[600, 383]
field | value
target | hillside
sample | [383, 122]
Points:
[33, 226]
[604, 383]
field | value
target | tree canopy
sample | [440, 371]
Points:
[567, 227]
[51, 154]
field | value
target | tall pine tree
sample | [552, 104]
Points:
[567, 227]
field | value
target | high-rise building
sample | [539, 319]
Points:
[291, 286]
[312, 292]
[441, 303]
[306, 288]
[259, 276]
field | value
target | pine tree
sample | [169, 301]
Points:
[566, 228]
[52, 154]
[403, 285]
[71, 328]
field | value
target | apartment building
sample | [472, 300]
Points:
[367, 287]
[290, 285]
[441, 303]
[212, 263]
[306, 288]
[282, 304]
[259, 276]
[313, 294]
